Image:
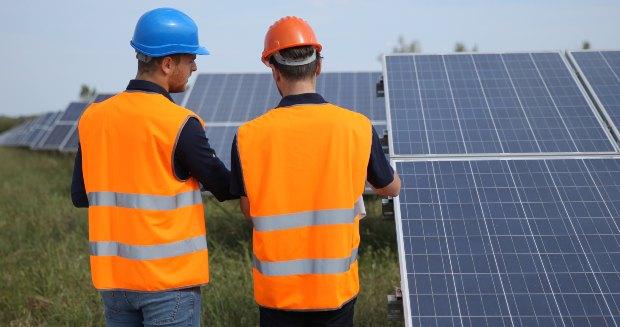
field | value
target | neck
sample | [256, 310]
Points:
[298, 87]
[154, 79]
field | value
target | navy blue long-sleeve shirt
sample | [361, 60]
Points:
[193, 156]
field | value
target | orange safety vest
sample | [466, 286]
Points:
[304, 169]
[146, 227]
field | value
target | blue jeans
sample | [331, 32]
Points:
[168, 308]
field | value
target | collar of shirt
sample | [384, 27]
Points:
[146, 86]
[304, 98]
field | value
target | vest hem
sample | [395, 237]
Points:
[310, 310]
[154, 291]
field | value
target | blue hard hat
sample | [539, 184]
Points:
[165, 31]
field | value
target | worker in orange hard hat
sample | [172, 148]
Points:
[300, 170]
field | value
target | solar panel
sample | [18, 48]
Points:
[47, 129]
[56, 137]
[489, 103]
[241, 97]
[63, 126]
[220, 139]
[73, 112]
[510, 242]
[103, 96]
[600, 71]
[42, 127]
[178, 97]
[72, 142]
[31, 130]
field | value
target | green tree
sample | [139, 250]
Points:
[404, 46]
[407, 47]
[585, 45]
[87, 93]
[460, 47]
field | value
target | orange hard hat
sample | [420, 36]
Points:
[288, 32]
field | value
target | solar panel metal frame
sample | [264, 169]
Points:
[590, 90]
[573, 75]
[398, 214]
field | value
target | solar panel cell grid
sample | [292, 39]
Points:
[220, 139]
[56, 137]
[489, 103]
[73, 112]
[601, 71]
[520, 242]
[242, 97]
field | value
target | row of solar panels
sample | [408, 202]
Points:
[224, 101]
[510, 209]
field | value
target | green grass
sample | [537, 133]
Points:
[44, 273]
[7, 123]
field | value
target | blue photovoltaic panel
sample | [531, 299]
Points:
[48, 127]
[73, 112]
[241, 97]
[103, 96]
[220, 139]
[56, 137]
[33, 130]
[42, 128]
[72, 142]
[489, 103]
[510, 242]
[62, 127]
[601, 72]
[178, 98]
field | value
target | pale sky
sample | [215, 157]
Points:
[49, 48]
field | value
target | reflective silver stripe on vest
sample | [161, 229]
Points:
[305, 266]
[303, 219]
[308, 218]
[143, 201]
[148, 252]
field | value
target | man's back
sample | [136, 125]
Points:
[142, 219]
[304, 169]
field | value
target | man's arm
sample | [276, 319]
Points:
[237, 187]
[244, 203]
[78, 190]
[194, 157]
[383, 179]
[392, 189]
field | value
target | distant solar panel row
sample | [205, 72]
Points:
[489, 103]
[242, 97]
[511, 242]
[600, 71]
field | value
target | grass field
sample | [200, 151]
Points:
[44, 273]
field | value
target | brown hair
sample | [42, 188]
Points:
[148, 64]
[296, 73]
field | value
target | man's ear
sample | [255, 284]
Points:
[318, 67]
[167, 65]
[277, 76]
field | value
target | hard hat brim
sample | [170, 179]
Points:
[169, 49]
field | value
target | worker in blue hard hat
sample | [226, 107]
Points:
[139, 166]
